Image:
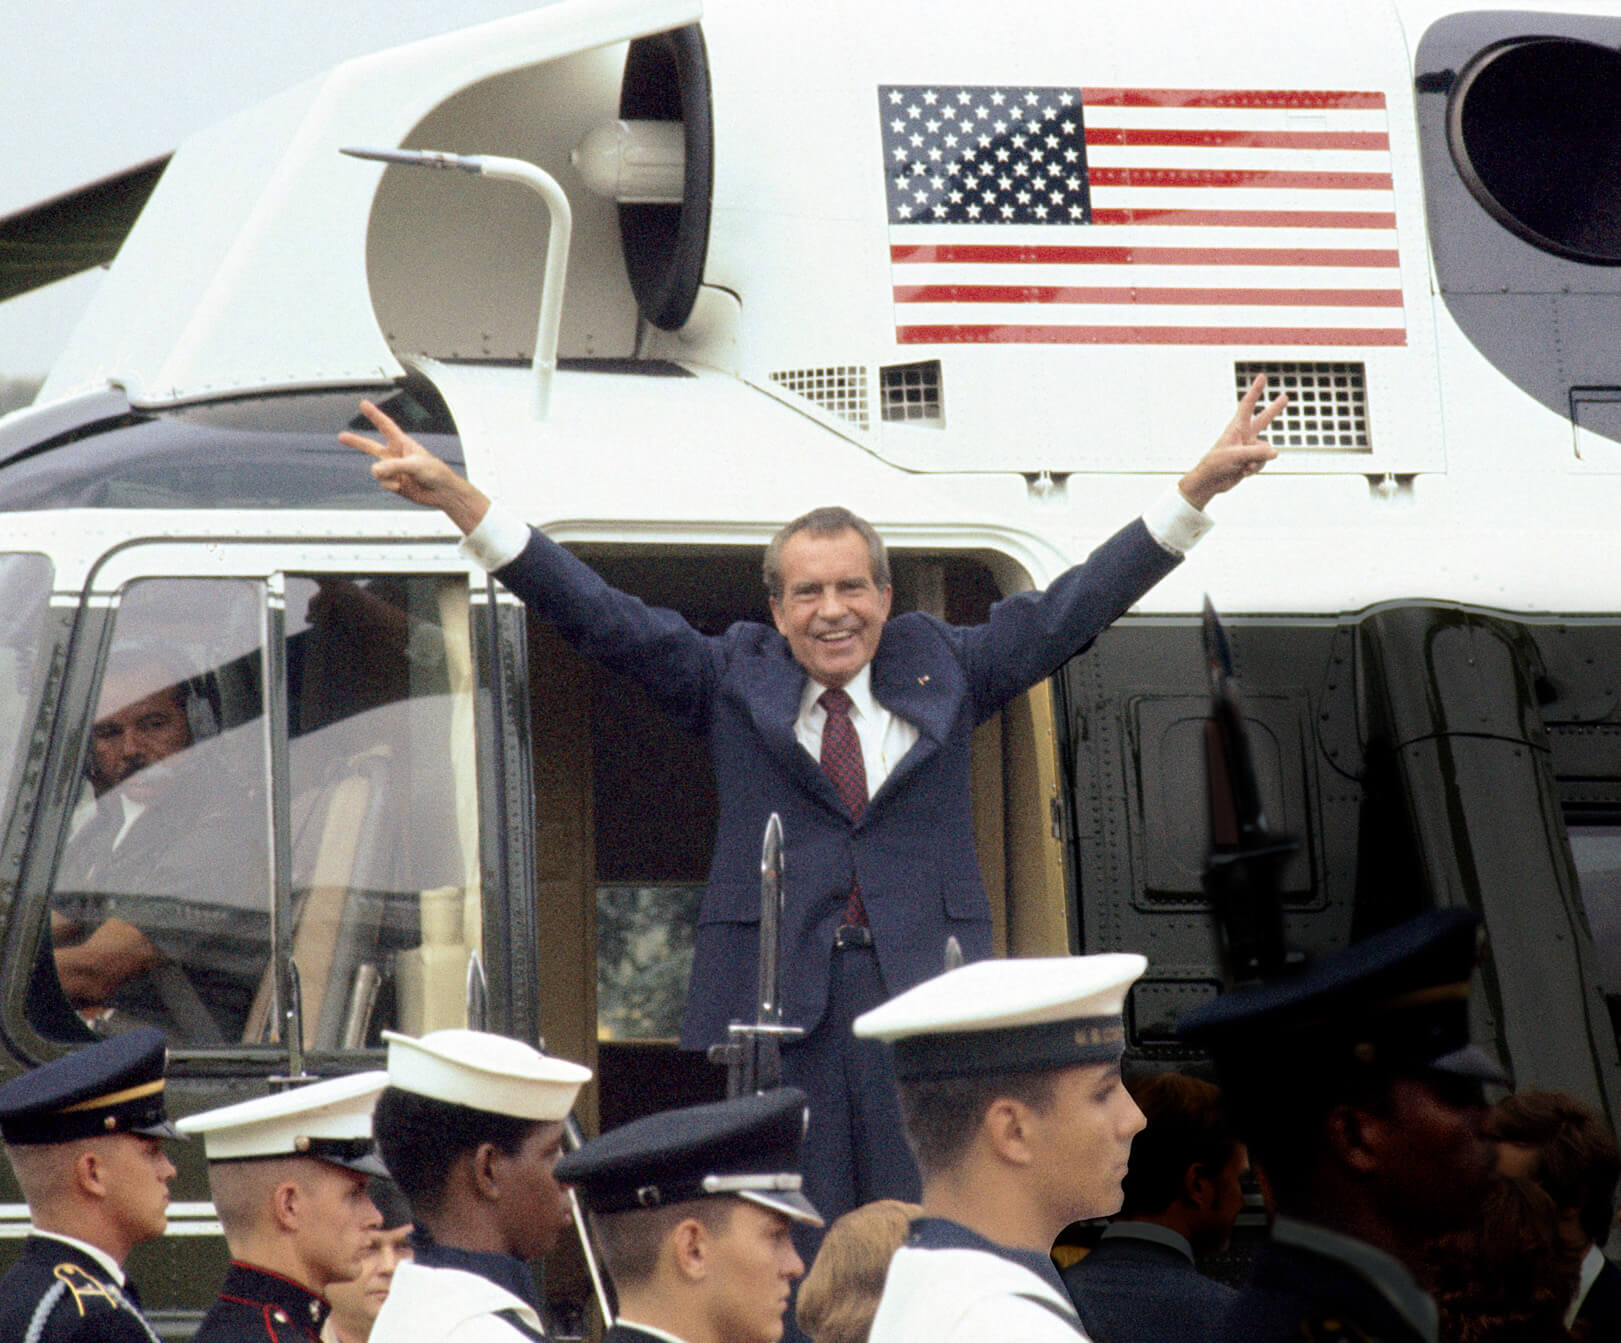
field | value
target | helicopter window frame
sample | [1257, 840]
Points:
[269, 565]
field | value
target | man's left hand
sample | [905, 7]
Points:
[1240, 450]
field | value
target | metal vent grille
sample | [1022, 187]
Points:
[840, 390]
[910, 393]
[1328, 405]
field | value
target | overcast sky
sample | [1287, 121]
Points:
[94, 86]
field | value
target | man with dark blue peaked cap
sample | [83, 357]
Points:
[84, 1136]
[692, 1210]
[1355, 1085]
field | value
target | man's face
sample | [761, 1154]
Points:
[1517, 1160]
[137, 1172]
[755, 1266]
[538, 1213]
[1083, 1141]
[831, 612]
[135, 727]
[1214, 1229]
[357, 1301]
[1436, 1159]
[337, 1224]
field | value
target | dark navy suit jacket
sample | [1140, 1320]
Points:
[913, 847]
[1130, 1290]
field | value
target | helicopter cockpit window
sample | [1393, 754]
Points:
[25, 589]
[163, 900]
[161, 904]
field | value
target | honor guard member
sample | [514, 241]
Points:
[1356, 1088]
[471, 1126]
[84, 1137]
[692, 1211]
[288, 1173]
[1009, 1075]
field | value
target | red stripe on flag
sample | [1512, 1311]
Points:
[1238, 177]
[1144, 335]
[1269, 298]
[1248, 218]
[1124, 136]
[997, 254]
[1310, 99]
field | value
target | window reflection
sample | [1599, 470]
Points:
[644, 959]
[1597, 851]
[386, 903]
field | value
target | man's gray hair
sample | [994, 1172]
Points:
[825, 522]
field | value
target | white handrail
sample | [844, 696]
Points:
[543, 184]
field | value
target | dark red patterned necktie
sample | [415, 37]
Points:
[843, 765]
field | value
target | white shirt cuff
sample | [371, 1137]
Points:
[498, 540]
[1175, 523]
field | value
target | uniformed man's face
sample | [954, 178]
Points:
[336, 1223]
[1435, 1158]
[136, 1172]
[355, 1303]
[539, 1212]
[754, 1268]
[135, 729]
[831, 612]
[1081, 1143]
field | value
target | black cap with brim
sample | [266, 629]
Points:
[744, 1148]
[113, 1086]
[1397, 1002]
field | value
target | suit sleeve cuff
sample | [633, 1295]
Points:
[1175, 523]
[498, 540]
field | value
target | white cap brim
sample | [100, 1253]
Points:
[485, 1072]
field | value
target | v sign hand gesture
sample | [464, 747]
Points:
[404, 467]
[1239, 450]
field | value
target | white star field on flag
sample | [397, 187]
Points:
[984, 155]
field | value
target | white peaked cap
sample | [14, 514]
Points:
[485, 1072]
[330, 1120]
[1009, 1015]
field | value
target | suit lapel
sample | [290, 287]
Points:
[912, 685]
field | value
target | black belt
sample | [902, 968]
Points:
[852, 935]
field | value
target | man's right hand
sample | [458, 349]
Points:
[404, 467]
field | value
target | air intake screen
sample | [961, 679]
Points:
[1328, 405]
[841, 390]
[911, 393]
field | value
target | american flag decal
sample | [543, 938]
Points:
[1042, 215]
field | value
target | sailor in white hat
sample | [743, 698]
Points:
[288, 1173]
[471, 1125]
[1009, 1074]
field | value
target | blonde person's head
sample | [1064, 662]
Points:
[839, 1297]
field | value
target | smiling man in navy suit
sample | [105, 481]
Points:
[856, 728]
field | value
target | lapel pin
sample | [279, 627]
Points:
[923, 680]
